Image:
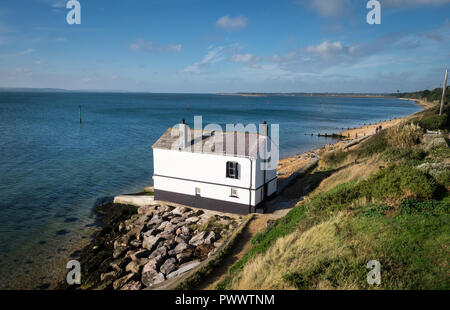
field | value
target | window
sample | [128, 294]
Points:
[232, 169]
[197, 191]
[234, 192]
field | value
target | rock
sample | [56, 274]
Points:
[122, 241]
[119, 263]
[192, 220]
[170, 228]
[132, 285]
[218, 244]
[210, 237]
[119, 251]
[198, 239]
[185, 230]
[122, 281]
[181, 238]
[135, 265]
[150, 242]
[151, 277]
[179, 211]
[176, 220]
[163, 225]
[170, 244]
[179, 248]
[109, 276]
[153, 264]
[134, 255]
[161, 251]
[155, 221]
[184, 256]
[135, 243]
[183, 268]
[166, 235]
[168, 266]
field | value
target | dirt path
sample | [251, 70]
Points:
[258, 223]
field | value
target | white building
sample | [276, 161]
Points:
[214, 170]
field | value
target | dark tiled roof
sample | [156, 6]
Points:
[214, 142]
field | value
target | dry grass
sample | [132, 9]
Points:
[404, 136]
[295, 252]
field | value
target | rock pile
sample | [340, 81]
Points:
[159, 243]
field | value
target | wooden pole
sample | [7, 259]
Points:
[444, 88]
[79, 112]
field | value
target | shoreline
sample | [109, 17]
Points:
[286, 166]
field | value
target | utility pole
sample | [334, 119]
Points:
[444, 88]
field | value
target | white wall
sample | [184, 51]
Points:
[182, 172]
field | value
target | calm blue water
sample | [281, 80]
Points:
[52, 168]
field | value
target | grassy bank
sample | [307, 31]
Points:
[385, 199]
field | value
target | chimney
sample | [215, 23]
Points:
[264, 129]
[184, 134]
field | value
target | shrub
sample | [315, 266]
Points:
[396, 182]
[431, 207]
[373, 145]
[434, 122]
[404, 136]
[407, 155]
[334, 158]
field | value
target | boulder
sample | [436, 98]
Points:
[136, 265]
[122, 281]
[168, 266]
[109, 276]
[134, 255]
[135, 243]
[151, 277]
[198, 239]
[155, 221]
[170, 244]
[119, 263]
[163, 225]
[170, 228]
[210, 237]
[181, 238]
[150, 242]
[161, 251]
[122, 241]
[132, 286]
[166, 235]
[192, 220]
[179, 248]
[184, 256]
[183, 268]
[153, 264]
[119, 251]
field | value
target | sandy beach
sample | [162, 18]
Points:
[289, 165]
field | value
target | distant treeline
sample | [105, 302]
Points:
[430, 95]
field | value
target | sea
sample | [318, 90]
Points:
[53, 169]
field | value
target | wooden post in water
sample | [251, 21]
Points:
[79, 112]
[444, 88]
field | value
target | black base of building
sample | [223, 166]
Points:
[205, 203]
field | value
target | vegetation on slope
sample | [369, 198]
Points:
[386, 199]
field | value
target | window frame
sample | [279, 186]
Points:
[232, 170]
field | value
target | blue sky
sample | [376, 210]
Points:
[225, 46]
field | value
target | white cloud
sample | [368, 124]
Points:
[38, 62]
[214, 55]
[327, 48]
[329, 7]
[26, 52]
[247, 59]
[150, 46]
[230, 23]
[58, 4]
